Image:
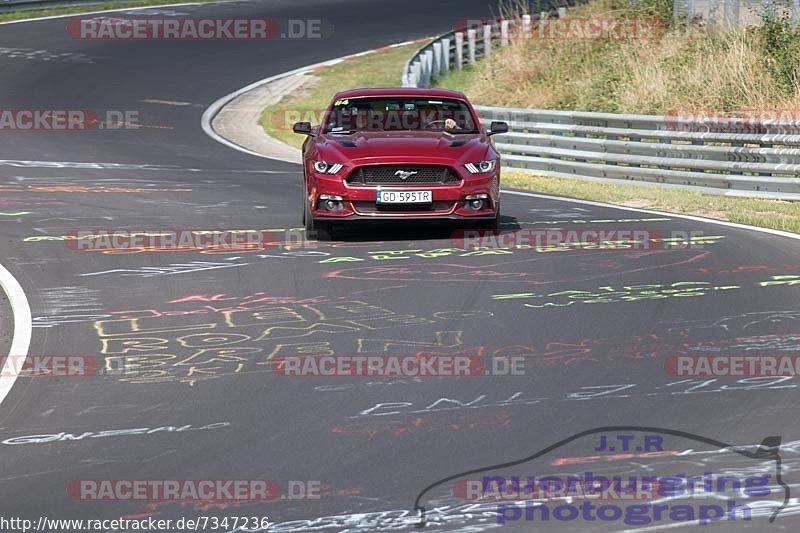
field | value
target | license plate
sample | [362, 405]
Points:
[404, 197]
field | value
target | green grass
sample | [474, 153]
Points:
[86, 8]
[380, 69]
[688, 66]
[458, 80]
[763, 213]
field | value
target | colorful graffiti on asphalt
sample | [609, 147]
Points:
[435, 253]
[492, 399]
[535, 270]
[67, 305]
[415, 425]
[234, 335]
[636, 293]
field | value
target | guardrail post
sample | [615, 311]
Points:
[487, 40]
[416, 73]
[544, 19]
[526, 25]
[428, 72]
[504, 31]
[562, 12]
[445, 56]
[437, 60]
[459, 49]
[471, 36]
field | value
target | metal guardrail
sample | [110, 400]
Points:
[733, 157]
[446, 52]
[653, 149]
[457, 48]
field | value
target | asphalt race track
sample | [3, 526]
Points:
[196, 333]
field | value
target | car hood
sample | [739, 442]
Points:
[403, 146]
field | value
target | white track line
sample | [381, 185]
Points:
[664, 213]
[50, 17]
[21, 339]
[212, 110]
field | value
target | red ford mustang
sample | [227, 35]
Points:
[400, 154]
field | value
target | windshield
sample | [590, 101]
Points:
[399, 114]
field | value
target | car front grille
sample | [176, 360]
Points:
[403, 175]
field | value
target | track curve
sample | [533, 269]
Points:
[196, 332]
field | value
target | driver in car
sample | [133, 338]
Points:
[450, 124]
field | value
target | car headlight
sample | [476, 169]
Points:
[327, 168]
[482, 167]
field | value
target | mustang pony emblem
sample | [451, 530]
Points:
[404, 174]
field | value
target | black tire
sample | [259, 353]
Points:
[305, 203]
[319, 230]
[491, 224]
[323, 230]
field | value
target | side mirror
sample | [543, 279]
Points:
[497, 127]
[303, 128]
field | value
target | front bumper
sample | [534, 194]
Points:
[358, 202]
[388, 217]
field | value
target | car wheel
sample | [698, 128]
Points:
[315, 229]
[305, 203]
[319, 230]
[491, 224]
[323, 230]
